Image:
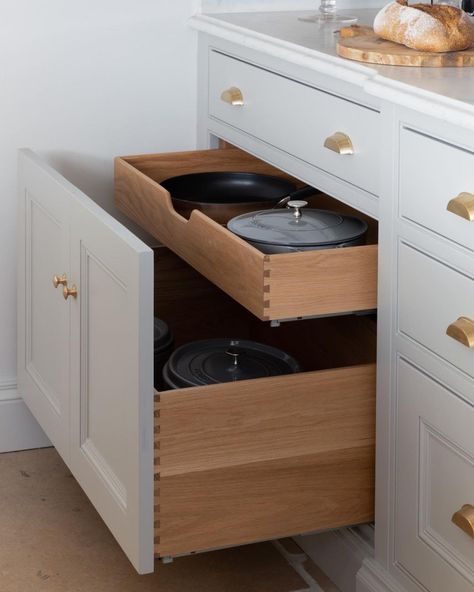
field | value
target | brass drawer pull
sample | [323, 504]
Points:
[464, 518]
[233, 96]
[59, 280]
[462, 330]
[340, 143]
[463, 206]
[69, 292]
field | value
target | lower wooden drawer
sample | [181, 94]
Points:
[242, 462]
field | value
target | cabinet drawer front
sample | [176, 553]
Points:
[270, 286]
[312, 116]
[432, 296]
[432, 173]
[263, 459]
[435, 456]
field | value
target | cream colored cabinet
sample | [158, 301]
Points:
[327, 131]
[189, 470]
[94, 401]
[435, 469]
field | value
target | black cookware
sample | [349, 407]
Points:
[213, 361]
[224, 195]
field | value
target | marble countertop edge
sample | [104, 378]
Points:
[368, 78]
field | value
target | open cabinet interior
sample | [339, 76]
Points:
[243, 461]
[194, 309]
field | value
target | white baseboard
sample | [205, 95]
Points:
[340, 553]
[372, 577]
[18, 428]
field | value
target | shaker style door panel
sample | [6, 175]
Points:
[85, 361]
[43, 315]
[435, 451]
[112, 376]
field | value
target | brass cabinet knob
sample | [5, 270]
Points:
[464, 518]
[462, 330]
[59, 280]
[69, 292]
[340, 143]
[233, 96]
[463, 206]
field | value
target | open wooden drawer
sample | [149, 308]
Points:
[260, 459]
[272, 287]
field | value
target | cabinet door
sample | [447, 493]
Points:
[435, 452]
[43, 318]
[107, 334]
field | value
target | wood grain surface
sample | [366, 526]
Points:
[271, 287]
[363, 45]
[241, 462]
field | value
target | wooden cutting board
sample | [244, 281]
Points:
[363, 45]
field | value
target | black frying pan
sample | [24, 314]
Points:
[223, 195]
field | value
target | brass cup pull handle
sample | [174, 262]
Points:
[233, 96]
[463, 206]
[69, 292]
[60, 280]
[462, 330]
[464, 518]
[340, 143]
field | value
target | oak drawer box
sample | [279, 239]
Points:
[270, 286]
[311, 114]
[435, 456]
[432, 297]
[435, 176]
[237, 463]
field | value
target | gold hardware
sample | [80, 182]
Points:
[464, 518]
[463, 205]
[340, 143]
[233, 96]
[462, 330]
[69, 292]
[59, 280]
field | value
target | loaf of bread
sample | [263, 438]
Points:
[425, 27]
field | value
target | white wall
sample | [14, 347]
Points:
[212, 6]
[82, 82]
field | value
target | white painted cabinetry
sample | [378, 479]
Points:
[435, 468]
[85, 363]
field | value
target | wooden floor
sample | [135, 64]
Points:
[52, 540]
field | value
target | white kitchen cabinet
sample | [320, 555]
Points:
[85, 364]
[188, 470]
[435, 468]
[312, 118]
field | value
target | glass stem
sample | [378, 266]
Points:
[328, 6]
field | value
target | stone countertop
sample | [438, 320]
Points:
[445, 93]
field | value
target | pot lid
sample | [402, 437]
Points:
[296, 226]
[213, 361]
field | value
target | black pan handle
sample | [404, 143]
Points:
[299, 194]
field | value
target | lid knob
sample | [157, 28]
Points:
[296, 206]
[234, 352]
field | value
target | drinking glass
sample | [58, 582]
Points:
[328, 13]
